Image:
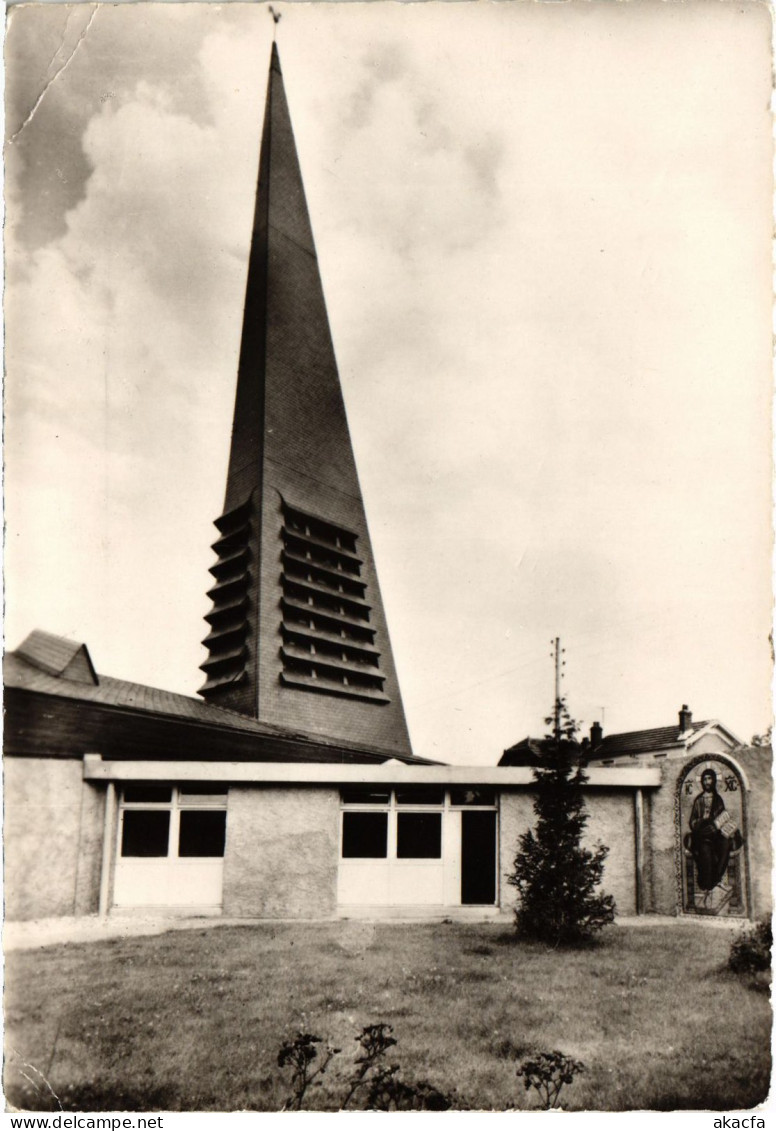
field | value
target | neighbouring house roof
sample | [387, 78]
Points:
[632, 743]
[527, 752]
[49, 710]
[646, 741]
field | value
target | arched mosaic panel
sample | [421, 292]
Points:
[711, 838]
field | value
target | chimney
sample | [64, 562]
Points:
[685, 719]
[596, 735]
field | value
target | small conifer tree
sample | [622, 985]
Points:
[556, 878]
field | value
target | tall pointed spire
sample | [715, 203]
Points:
[298, 635]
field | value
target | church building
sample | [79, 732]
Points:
[289, 788]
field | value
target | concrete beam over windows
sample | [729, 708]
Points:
[312, 773]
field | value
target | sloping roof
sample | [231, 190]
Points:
[644, 741]
[527, 752]
[58, 656]
[150, 702]
[18, 672]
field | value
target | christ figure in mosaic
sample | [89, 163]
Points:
[713, 834]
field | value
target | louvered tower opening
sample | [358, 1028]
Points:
[227, 641]
[328, 642]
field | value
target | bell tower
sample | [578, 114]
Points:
[298, 635]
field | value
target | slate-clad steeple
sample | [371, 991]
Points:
[297, 630]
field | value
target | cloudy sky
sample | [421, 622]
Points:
[543, 233]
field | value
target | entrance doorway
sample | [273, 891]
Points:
[478, 856]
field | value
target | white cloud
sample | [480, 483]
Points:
[121, 350]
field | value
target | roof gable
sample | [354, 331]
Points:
[58, 656]
[711, 727]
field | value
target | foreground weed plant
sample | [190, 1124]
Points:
[388, 1092]
[378, 1085]
[375, 1040]
[299, 1053]
[548, 1073]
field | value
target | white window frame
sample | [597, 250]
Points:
[393, 808]
[177, 804]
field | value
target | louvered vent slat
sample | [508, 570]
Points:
[227, 640]
[328, 643]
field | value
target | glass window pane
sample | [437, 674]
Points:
[419, 836]
[473, 795]
[155, 793]
[145, 832]
[363, 795]
[421, 795]
[365, 834]
[202, 832]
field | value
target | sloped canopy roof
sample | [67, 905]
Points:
[24, 671]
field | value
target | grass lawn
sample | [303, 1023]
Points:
[192, 1020]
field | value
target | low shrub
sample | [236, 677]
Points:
[548, 1073]
[750, 951]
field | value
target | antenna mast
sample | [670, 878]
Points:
[557, 655]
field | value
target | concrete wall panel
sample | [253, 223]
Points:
[516, 817]
[282, 853]
[53, 839]
[611, 821]
[663, 891]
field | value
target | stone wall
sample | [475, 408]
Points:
[756, 764]
[664, 896]
[282, 853]
[53, 827]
